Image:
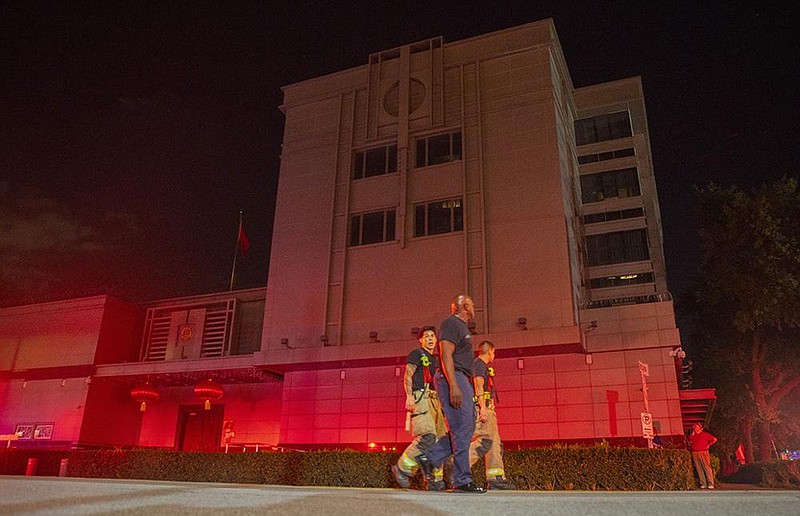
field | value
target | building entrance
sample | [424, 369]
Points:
[199, 429]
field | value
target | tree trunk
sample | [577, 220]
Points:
[760, 398]
[764, 441]
[747, 439]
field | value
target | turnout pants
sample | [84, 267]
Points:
[486, 442]
[427, 425]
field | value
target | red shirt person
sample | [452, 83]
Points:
[699, 443]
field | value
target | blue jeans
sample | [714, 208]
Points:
[462, 426]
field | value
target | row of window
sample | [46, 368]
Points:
[433, 218]
[604, 156]
[447, 216]
[612, 183]
[622, 280]
[444, 148]
[431, 150]
[617, 247]
[602, 128]
[594, 218]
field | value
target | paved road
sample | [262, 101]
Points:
[49, 495]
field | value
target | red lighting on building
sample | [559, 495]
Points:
[143, 393]
[208, 390]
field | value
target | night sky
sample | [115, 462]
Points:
[131, 137]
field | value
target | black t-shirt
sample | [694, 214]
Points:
[481, 368]
[426, 366]
[455, 330]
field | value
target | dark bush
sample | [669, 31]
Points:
[768, 474]
[553, 468]
[598, 468]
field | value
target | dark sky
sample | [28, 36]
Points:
[131, 137]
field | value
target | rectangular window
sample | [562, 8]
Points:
[618, 247]
[441, 148]
[602, 128]
[438, 217]
[371, 228]
[622, 280]
[594, 218]
[375, 162]
[614, 183]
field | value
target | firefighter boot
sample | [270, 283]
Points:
[427, 470]
[402, 478]
[500, 484]
[437, 484]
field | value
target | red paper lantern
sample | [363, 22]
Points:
[208, 390]
[143, 393]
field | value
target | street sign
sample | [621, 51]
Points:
[644, 369]
[647, 425]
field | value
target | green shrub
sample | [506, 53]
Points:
[552, 468]
[598, 468]
[785, 474]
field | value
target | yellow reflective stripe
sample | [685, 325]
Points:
[438, 474]
[409, 463]
[495, 472]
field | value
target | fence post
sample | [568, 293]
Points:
[32, 463]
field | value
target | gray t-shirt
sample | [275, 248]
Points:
[455, 330]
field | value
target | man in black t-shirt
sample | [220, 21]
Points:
[486, 441]
[454, 385]
[425, 418]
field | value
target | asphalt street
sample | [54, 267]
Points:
[49, 495]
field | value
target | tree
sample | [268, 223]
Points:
[747, 300]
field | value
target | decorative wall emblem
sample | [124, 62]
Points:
[186, 332]
[391, 99]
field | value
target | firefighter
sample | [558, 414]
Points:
[424, 411]
[486, 440]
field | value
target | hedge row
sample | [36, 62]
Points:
[553, 468]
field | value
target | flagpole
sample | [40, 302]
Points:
[236, 251]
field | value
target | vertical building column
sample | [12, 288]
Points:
[402, 141]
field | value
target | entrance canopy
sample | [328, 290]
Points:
[697, 406]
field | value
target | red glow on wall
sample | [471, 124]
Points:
[143, 393]
[208, 390]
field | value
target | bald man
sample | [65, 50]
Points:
[454, 385]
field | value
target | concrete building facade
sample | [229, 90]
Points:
[433, 169]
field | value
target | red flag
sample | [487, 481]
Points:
[244, 242]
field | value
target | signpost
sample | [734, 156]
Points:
[647, 427]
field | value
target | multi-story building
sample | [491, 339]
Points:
[433, 169]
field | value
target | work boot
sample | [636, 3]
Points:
[426, 467]
[472, 487]
[402, 478]
[424, 464]
[500, 484]
[436, 485]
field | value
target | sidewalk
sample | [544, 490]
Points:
[73, 496]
